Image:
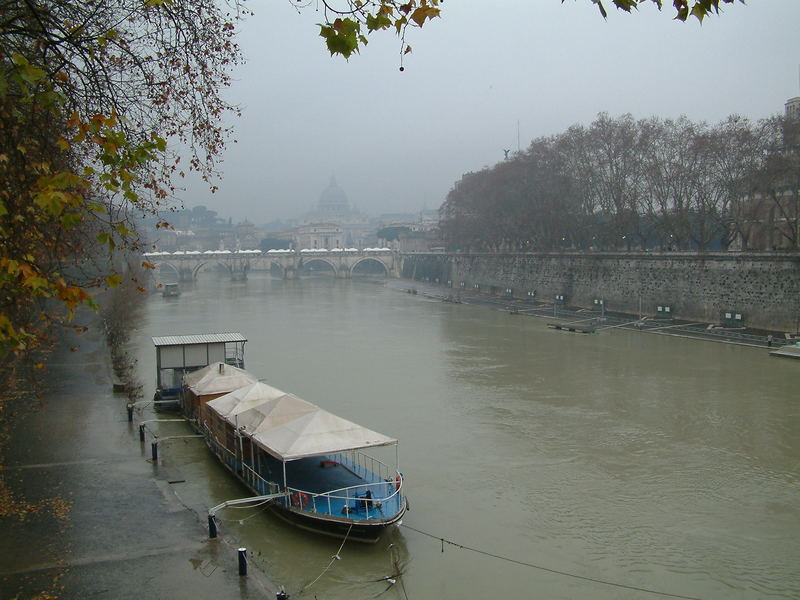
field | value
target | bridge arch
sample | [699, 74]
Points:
[162, 266]
[369, 260]
[276, 267]
[306, 261]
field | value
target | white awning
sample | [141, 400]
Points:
[245, 398]
[291, 428]
[316, 434]
[217, 378]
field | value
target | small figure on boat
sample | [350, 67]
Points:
[366, 500]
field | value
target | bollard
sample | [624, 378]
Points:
[154, 448]
[130, 412]
[141, 432]
[212, 527]
[242, 561]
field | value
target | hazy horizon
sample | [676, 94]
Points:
[478, 82]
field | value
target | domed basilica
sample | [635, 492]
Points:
[333, 223]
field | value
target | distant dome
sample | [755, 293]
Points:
[333, 200]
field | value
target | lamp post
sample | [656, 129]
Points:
[797, 219]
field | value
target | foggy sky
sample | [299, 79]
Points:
[397, 141]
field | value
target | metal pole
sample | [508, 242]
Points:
[212, 527]
[141, 432]
[243, 562]
[154, 450]
[130, 412]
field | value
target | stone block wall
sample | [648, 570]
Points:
[763, 287]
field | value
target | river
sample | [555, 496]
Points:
[538, 463]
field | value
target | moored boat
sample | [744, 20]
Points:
[171, 290]
[309, 462]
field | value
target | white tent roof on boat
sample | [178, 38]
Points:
[258, 407]
[245, 398]
[217, 378]
[291, 428]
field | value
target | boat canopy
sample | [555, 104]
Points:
[291, 428]
[217, 378]
[245, 398]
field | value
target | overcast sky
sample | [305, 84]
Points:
[478, 76]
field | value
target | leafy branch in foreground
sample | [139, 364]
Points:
[348, 22]
[699, 9]
[89, 95]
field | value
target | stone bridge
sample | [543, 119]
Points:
[186, 264]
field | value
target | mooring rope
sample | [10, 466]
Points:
[396, 565]
[334, 558]
[247, 518]
[549, 570]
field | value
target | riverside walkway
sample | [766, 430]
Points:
[127, 533]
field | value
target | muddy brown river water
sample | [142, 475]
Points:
[538, 463]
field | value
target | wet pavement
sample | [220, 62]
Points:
[127, 534]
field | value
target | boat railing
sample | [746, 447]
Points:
[352, 501]
[384, 487]
[360, 464]
[241, 468]
[234, 355]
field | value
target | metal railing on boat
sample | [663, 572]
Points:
[350, 502]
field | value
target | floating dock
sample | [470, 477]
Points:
[574, 327]
[787, 351]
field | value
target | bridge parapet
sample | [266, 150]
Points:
[239, 262]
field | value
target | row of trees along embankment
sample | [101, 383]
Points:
[621, 184]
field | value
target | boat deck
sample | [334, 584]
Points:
[338, 487]
[334, 486]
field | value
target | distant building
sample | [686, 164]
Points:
[793, 108]
[335, 220]
[318, 235]
[411, 232]
[247, 236]
[333, 207]
[791, 134]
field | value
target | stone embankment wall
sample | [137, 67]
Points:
[763, 287]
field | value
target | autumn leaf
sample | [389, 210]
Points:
[113, 280]
[341, 36]
[376, 22]
[424, 13]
